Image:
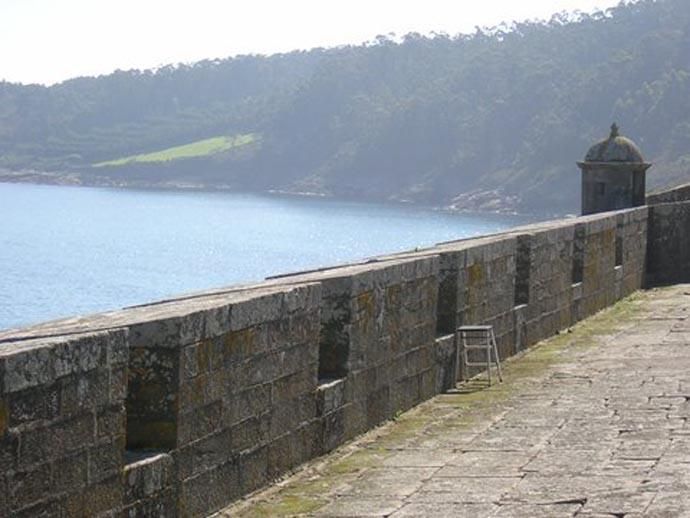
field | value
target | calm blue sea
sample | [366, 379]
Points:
[71, 250]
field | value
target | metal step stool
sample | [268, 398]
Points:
[477, 338]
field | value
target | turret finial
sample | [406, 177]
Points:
[614, 131]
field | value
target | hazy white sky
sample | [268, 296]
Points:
[47, 41]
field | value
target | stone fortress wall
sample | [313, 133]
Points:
[180, 407]
[668, 259]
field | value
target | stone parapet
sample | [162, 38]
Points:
[679, 193]
[181, 406]
[668, 251]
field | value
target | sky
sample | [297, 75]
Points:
[48, 41]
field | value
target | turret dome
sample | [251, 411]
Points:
[616, 148]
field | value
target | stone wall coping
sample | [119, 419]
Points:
[373, 264]
[147, 460]
[40, 361]
[676, 194]
[58, 331]
[670, 205]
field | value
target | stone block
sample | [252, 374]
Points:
[379, 405]
[203, 390]
[50, 508]
[168, 332]
[270, 366]
[118, 385]
[334, 429]
[251, 433]
[27, 487]
[118, 347]
[283, 454]
[359, 383]
[104, 496]
[195, 359]
[404, 394]
[364, 281]
[296, 357]
[199, 422]
[302, 298]
[70, 474]
[427, 384]
[399, 366]
[418, 359]
[147, 477]
[106, 460]
[290, 415]
[84, 392]
[305, 327]
[57, 440]
[4, 496]
[241, 344]
[251, 312]
[355, 418]
[209, 491]
[384, 375]
[253, 469]
[34, 404]
[377, 350]
[161, 504]
[294, 385]
[217, 321]
[27, 368]
[226, 480]
[253, 401]
[445, 360]
[310, 436]
[82, 354]
[263, 368]
[330, 395]
[9, 451]
[196, 497]
[205, 454]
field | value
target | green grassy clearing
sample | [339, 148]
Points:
[196, 149]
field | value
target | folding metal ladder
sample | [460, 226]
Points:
[477, 338]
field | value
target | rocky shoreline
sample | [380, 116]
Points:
[478, 201]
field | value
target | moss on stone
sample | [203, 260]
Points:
[474, 274]
[4, 417]
[357, 461]
[402, 430]
[314, 487]
[240, 343]
[285, 505]
[365, 304]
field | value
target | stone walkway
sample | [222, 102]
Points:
[591, 423]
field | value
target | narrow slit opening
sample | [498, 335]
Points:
[578, 254]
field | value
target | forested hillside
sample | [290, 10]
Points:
[492, 120]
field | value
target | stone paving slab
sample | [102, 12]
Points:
[592, 423]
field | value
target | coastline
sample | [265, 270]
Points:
[482, 203]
